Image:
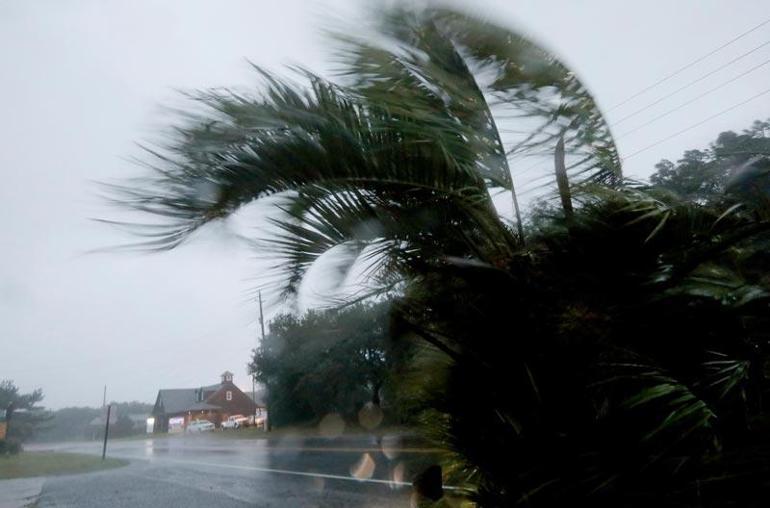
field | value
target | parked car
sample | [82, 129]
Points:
[235, 422]
[200, 426]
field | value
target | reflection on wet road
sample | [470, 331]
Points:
[208, 470]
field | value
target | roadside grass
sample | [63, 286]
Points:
[28, 464]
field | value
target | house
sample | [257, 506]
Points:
[96, 425]
[176, 408]
[138, 422]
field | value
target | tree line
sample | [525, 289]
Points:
[27, 420]
[87, 423]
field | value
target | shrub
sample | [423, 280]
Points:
[9, 447]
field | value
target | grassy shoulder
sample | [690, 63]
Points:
[28, 464]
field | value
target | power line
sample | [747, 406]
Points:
[697, 80]
[727, 110]
[530, 168]
[535, 184]
[697, 97]
[687, 66]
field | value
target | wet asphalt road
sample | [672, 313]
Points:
[207, 471]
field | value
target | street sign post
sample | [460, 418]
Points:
[3, 424]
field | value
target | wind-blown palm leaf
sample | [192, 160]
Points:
[420, 220]
[441, 59]
[416, 116]
[340, 164]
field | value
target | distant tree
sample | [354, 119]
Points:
[74, 423]
[542, 214]
[68, 424]
[703, 175]
[133, 407]
[123, 426]
[324, 362]
[22, 412]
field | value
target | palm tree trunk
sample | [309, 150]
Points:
[562, 181]
[519, 225]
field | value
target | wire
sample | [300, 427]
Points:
[698, 80]
[694, 62]
[527, 170]
[697, 97]
[535, 183]
[727, 110]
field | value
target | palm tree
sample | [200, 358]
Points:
[610, 360]
[415, 112]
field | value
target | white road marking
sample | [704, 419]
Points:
[289, 472]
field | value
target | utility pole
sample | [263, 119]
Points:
[517, 213]
[254, 379]
[253, 374]
[261, 316]
[104, 397]
[106, 433]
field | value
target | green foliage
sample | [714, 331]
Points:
[9, 447]
[399, 158]
[703, 175]
[74, 423]
[69, 424]
[23, 415]
[124, 426]
[48, 464]
[325, 362]
[619, 360]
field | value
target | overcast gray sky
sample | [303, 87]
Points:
[82, 81]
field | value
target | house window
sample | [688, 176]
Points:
[229, 395]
